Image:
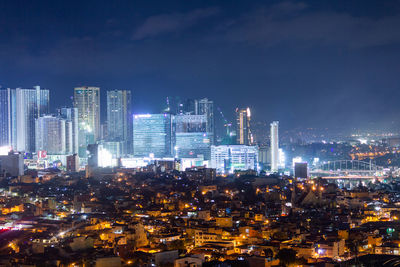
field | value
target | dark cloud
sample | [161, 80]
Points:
[170, 23]
[287, 7]
[270, 26]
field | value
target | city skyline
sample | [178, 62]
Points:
[199, 133]
[288, 51]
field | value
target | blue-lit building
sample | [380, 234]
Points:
[51, 134]
[30, 105]
[19, 108]
[119, 119]
[152, 135]
[202, 106]
[191, 137]
[5, 117]
[87, 101]
[72, 136]
[230, 158]
[206, 107]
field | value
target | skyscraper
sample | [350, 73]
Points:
[191, 136]
[152, 135]
[187, 106]
[87, 101]
[72, 129]
[119, 118]
[12, 118]
[30, 104]
[51, 135]
[206, 107]
[274, 146]
[5, 117]
[243, 131]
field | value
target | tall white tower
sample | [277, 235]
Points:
[274, 146]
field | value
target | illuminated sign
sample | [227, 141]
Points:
[142, 116]
[42, 154]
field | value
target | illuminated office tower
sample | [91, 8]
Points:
[119, 118]
[51, 135]
[30, 105]
[274, 146]
[206, 107]
[230, 158]
[4, 126]
[152, 135]
[202, 106]
[71, 128]
[243, 131]
[191, 137]
[7, 118]
[87, 101]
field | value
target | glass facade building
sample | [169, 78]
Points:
[30, 104]
[191, 137]
[72, 129]
[229, 158]
[202, 106]
[51, 135]
[152, 135]
[119, 118]
[87, 101]
[274, 146]
[18, 110]
[206, 107]
[5, 117]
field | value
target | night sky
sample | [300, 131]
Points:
[310, 64]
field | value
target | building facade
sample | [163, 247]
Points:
[51, 135]
[30, 104]
[6, 117]
[243, 131]
[113, 147]
[73, 163]
[202, 106]
[12, 164]
[87, 101]
[274, 146]
[72, 129]
[191, 137]
[152, 135]
[230, 158]
[205, 107]
[119, 118]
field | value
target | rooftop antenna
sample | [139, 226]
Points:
[168, 109]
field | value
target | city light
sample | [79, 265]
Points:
[141, 149]
[297, 160]
[105, 158]
[4, 150]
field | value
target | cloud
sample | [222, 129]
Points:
[288, 22]
[174, 22]
[288, 7]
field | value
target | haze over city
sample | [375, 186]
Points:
[302, 63]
